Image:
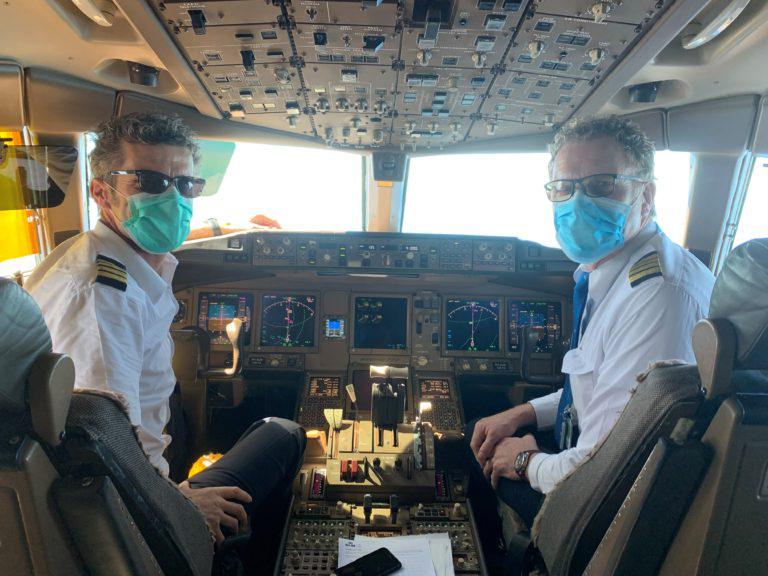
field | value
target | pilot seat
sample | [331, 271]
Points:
[680, 485]
[77, 492]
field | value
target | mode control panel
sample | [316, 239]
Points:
[401, 253]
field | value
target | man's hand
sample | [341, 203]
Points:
[502, 464]
[218, 506]
[493, 429]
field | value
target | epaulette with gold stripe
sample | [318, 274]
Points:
[649, 266]
[111, 272]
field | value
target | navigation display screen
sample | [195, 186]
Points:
[434, 388]
[288, 320]
[215, 310]
[324, 386]
[472, 325]
[545, 318]
[381, 323]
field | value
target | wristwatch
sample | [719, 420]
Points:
[521, 463]
[215, 228]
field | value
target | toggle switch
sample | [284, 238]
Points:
[367, 507]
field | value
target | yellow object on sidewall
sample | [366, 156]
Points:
[18, 226]
[205, 461]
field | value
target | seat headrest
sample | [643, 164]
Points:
[740, 296]
[23, 338]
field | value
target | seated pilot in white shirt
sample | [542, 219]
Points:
[107, 299]
[637, 298]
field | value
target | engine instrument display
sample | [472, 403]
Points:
[472, 325]
[381, 323]
[434, 388]
[545, 318]
[324, 386]
[215, 310]
[288, 320]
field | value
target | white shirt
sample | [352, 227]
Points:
[118, 339]
[624, 329]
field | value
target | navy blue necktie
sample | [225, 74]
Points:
[565, 435]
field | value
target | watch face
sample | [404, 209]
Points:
[520, 461]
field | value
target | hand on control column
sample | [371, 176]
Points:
[219, 507]
[502, 463]
[493, 429]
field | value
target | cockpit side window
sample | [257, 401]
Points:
[752, 219]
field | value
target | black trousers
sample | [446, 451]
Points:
[263, 462]
[517, 495]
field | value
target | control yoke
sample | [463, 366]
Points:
[234, 330]
[527, 345]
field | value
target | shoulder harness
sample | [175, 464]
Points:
[111, 272]
[649, 266]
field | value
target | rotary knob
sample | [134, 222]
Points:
[361, 105]
[342, 104]
[483, 366]
[323, 105]
[274, 362]
[422, 361]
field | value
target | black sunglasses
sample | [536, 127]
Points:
[153, 182]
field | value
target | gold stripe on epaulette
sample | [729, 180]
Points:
[111, 273]
[649, 266]
[104, 267]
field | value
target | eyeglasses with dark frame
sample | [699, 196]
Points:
[153, 182]
[594, 186]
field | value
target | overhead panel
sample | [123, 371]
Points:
[324, 44]
[413, 74]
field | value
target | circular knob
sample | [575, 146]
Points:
[326, 257]
[287, 241]
[410, 256]
[342, 104]
[465, 366]
[266, 250]
[274, 362]
[377, 462]
[488, 256]
[323, 105]
[422, 361]
[483, 366]
[280, 250]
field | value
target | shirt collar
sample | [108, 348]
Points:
[602, 278]
[154, 282]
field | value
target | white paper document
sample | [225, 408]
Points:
[421, 555]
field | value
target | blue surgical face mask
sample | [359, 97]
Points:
[589, 229]
[158, 223]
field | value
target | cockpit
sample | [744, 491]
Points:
[388, 253]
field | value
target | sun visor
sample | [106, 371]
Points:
[215, 157]
[35, 176]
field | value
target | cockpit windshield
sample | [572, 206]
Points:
[301, 189]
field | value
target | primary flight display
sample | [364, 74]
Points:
[217, 309]
[288, 320]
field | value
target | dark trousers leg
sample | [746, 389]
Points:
[263, 462]
[265, 459]
[517, 495]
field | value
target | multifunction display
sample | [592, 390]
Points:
[472, 325]
[217, 309]
[288, 320]
[434, 388]
[381, 323]
[543, 318]
[335, 328]
[324, 386]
